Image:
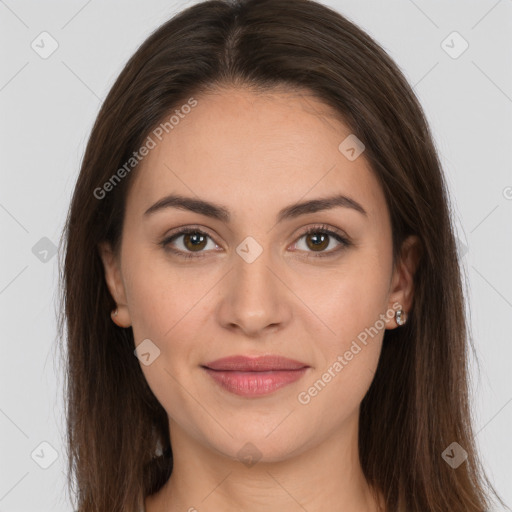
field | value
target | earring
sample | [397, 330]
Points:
[159, 449]
[114, 313]
[400, 317]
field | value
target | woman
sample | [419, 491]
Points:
[261, 284]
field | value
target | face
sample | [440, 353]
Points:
[256, 283]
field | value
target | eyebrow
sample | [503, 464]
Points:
[219, 212]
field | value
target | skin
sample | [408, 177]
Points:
[255, 154]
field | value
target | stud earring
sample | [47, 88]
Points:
[114, 313]
[400, 317]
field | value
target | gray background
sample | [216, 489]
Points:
[47, 110]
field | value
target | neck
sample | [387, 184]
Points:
[321, 477]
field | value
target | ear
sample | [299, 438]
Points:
[115, 284]
[402, 282]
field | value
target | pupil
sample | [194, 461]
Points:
[194, 238]
[320, 240]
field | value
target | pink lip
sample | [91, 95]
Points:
[255, 376]
[255, 364]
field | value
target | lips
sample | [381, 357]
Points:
[255, 364]
[255, 376]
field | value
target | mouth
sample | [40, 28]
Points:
[255, 376]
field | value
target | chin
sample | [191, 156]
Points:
[252, 449]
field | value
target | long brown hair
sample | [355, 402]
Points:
[418, 403]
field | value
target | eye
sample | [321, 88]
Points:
[194, 241]
[318, 238]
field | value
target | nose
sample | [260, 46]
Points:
[255, 300]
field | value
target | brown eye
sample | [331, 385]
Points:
[319, 238]
[194, 241]
[317, 241]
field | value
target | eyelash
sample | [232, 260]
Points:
[323, 229]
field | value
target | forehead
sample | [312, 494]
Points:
[255, 152]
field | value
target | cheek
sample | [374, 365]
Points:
[166, 307]
[159, 296]
[353, 306]
[336, 390]
[160, 301]
[347, 359]
[352, 299]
